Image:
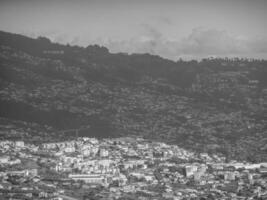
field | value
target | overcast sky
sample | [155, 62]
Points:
[170, 28]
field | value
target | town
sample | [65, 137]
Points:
[123, 168]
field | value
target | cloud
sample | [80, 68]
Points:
[164, 20]
[258, 45]
[201, 42]
[151, 31]
[210, 41]
[150, 41]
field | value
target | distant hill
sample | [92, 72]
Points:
[49, 91]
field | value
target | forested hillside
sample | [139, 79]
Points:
[49, 91]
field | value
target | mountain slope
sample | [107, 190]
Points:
[216, 105]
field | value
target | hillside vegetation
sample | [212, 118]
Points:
[51, 91]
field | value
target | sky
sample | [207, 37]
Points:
[188, 29]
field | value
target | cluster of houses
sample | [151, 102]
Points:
[124, 166]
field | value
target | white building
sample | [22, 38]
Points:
[4, 159]
[103, 153]
[49, 145]
[19, 144]
[69, 149]
[190, 170]
[89, 178]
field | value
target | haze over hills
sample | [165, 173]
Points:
[49, 91]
